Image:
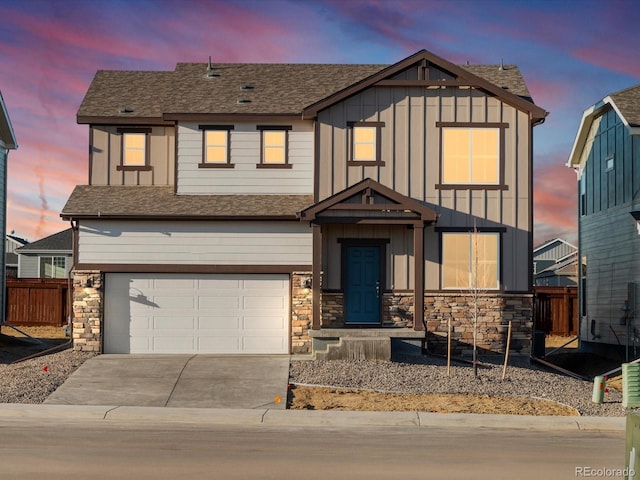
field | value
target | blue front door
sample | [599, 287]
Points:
[363, 284]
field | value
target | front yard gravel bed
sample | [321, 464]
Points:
[32, 381]
[424, 375]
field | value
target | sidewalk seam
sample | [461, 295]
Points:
[106, 414]
[173, 389]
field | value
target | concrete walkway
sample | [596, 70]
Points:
[179, 381]
[300, 418]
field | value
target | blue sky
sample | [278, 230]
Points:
[572, 53]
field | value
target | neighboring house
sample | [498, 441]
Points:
[49, 257]
[11, 243]
[7, 142]
[291, 208]
[606, 157]
[555, 264]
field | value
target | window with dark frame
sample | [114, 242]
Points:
[471, 155]
[470, 260]
[216, 151]
[135, 149]
[365, 143]
[274, 146]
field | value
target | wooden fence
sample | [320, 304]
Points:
[556, 310]
[37, 301]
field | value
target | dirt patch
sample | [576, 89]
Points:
[323, 398]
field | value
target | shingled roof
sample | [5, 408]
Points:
[61, 241]
[628, 103]
[247, 88]
[122, 202]
[625, 102]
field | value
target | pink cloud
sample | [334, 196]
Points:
[555, 202]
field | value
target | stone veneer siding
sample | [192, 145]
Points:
[88, 301]
[301, 313]
[494, 313]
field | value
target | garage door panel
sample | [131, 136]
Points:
[207, 313]
[219, 323]
[173, 323]
[263, 344]
[173, 344]
[264, 303]
[221, 344]
[266, 323]
[219, 283]
[219, 302]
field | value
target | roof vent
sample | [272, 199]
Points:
[246, 86]
[126, 110]
[242, 101]
[501, 67]
[210, 73]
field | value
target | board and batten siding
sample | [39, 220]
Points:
[106, 154]
[245, 177]
[609, 238]
[194, 243]
[411, 151]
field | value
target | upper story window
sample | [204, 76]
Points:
[52, 267]
[274, 146]
[470, 260]
[135, 149]
[609, 163]
[216, 150]
[472, 155]
[365, 143]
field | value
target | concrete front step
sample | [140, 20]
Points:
[356, 348]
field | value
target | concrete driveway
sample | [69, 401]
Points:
[198, 381]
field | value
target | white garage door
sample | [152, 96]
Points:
[208, 313]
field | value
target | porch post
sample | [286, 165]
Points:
[418, 282]
[316, 273]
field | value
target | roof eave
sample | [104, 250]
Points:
[536, 113]
[121, 120]
[6, 129]
[119, 216]
[585, 125]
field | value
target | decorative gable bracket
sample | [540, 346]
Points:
[368, 202]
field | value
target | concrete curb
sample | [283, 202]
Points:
[301, 418]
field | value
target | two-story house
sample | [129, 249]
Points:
[7, 142]
[606, 158]
[291, 208]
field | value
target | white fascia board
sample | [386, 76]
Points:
[581, 136]
[583, 131]
[11, 143]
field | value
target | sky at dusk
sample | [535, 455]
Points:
[572, 53]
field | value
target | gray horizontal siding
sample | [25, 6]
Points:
[610, 243]
[245, 178]
[29, 265]
[195, 243]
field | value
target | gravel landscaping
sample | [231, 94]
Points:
[33, 380]
[428, 375]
